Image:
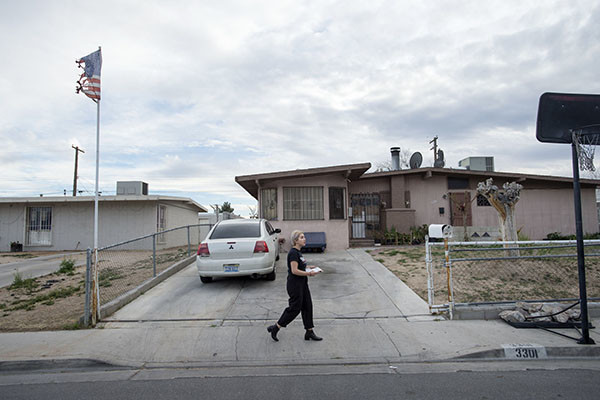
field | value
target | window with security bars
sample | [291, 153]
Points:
[336, 202]
[268, 203]
[303, 203]
[39, 226]
[482, 201]
[161, 222]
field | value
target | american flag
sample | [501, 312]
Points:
[89, 81]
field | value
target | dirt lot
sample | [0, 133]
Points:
[407, 263]
[494, 279]
[56, 301]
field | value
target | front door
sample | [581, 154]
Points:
[365, 215]
[460, 209]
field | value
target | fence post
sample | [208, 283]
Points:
[154, 255]
[449, 277]
[428, 265]
[88, 267]
[189, 243]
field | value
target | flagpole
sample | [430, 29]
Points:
[96, 297]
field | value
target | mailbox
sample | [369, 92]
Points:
[440, 231]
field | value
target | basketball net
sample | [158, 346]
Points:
[586, 143]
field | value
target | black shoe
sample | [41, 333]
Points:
[273, 329]
[311, 335]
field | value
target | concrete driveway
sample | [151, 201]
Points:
[352, 286]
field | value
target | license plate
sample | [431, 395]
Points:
[231, 267]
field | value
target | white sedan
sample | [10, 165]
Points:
[239, 247]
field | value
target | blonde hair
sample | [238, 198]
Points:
[295, 236]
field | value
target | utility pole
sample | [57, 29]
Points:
[77, 150]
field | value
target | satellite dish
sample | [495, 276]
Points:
[439, 162]
[415, 160]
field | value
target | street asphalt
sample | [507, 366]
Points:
[364, 313]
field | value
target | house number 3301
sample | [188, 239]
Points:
[526, 353]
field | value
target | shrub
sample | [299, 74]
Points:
[67, 266]
[19, 282]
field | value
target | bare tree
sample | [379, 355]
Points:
[504, 202]
[253, 212]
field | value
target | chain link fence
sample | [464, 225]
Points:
[489, 272]
[126, 265]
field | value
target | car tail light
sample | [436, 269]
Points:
[203, 250]
[261, 247]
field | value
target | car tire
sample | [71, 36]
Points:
[271, 275]
[277, 258]
[206, 279]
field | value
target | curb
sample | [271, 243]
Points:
[56, 364]
[497, 355]
[585, 351]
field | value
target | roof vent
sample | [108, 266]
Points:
[477, 164]
[132, 188]
[395, 158]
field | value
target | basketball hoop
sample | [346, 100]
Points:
[586, 139]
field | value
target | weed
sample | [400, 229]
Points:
[67, 266]
[23, 255]
[19, 282]
[107, 275]
[29, 304]
[381, 260]
[72, 327]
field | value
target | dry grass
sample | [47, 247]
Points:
[492, 280]
[56, 301]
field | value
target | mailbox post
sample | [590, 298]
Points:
[442, 231]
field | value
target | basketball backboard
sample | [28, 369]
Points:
[559, 113]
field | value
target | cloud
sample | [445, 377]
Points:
[195, 94]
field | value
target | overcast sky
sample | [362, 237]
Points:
[195, 93]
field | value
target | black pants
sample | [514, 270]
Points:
[300, 302]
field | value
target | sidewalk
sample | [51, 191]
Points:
[409, 335]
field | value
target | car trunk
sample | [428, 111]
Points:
[231, 249]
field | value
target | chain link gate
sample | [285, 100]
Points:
[503, 272]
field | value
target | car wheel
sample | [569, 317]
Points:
[206, 279]
[271, 275]
[277, 258]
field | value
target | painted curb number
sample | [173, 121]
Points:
[524, 351]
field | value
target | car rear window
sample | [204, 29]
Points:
[231, 231]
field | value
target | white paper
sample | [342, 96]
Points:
[315, 269]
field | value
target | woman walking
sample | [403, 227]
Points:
[300, 301]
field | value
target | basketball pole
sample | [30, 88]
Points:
[585, 332]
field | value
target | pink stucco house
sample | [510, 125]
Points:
[351, 206]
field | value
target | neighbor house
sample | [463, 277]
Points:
[353, 207]
[66, 223]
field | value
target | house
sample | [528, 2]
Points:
[352, 206]
[67, 223]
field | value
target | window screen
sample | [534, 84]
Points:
[303, 203]
[482, 201]
[268, 203]
[336, 202]
[458, 183]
